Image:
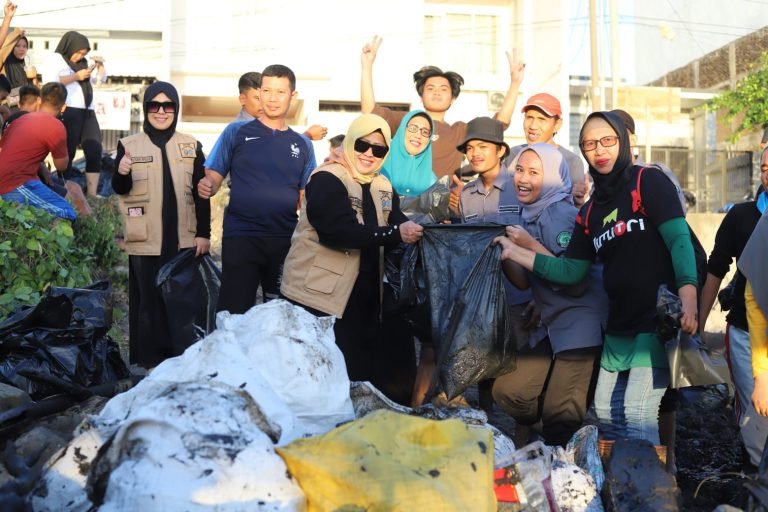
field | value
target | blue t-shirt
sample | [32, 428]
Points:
[267, 170]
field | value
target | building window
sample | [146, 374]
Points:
[95, 46]
[470, 41]
[47, 44]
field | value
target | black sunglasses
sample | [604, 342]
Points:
[169, 107]
[362, 145]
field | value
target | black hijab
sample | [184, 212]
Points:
[70, 43]
[14, 67]
[607, 185]
[160, 137]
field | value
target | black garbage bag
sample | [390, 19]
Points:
[431, 206]
[691, 361]
[64, 336]
[470, 321]
[190, 290]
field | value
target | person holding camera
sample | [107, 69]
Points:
[79, 76]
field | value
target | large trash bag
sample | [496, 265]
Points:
[391, 461]
[471, 325]
[63, 338]
[691, 362]
[190, 290]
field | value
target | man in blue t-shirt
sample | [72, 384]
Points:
[268, 164]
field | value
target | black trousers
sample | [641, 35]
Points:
[83, 130]
[556, 390]
[246, 263]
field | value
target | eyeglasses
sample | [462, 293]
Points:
[606, 142]
[379, 151]
[425, 132]
[169, 107]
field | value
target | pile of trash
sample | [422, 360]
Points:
[260, 415]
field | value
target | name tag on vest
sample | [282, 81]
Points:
[136, 211]
[141, 159]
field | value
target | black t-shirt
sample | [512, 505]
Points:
[635, 257]
[731, 237]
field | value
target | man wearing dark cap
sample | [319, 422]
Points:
[543, 119]
[491, 197]
[438, 90]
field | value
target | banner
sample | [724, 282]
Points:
[113, 109]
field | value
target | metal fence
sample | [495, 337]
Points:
[715, 178]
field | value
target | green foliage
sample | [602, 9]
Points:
[38, 251]
[749, 98]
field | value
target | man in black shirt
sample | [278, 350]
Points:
[731, 237]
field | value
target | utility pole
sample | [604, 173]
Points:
[615, 80]
[596, 96]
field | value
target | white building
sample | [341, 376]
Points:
[203, 48]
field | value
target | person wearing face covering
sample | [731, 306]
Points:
[554, 378]
[642, 245]
[349, 212]
[156, 179]
[69, 66]
[409, 165]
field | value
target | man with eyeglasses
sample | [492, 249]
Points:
[438, 90]
[268, 164]
[543, 119]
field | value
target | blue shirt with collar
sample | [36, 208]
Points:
[267, 169]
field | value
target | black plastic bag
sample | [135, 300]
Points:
[471, 326]
[431, 206]
[190, 290]
[691, 362]
[64, 336]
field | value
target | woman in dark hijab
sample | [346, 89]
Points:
[15, 65]
[156, 178]
[79, 76]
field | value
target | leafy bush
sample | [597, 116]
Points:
[38, 251]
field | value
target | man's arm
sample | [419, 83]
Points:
[60, 164]
[708, 295]
[367, 99]
[516, 74]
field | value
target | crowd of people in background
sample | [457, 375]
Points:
[584, 250]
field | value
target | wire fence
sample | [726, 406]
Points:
[716, 179]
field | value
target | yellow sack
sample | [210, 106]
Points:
[388, 461]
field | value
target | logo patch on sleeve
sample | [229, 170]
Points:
[136, 211]
[187, 149]
[563, 239]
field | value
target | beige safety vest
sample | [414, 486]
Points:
[322, 277]
[141, 207]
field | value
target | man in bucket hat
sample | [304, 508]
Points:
[491, 197]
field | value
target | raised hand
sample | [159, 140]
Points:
[370, 50]
[516, 67]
